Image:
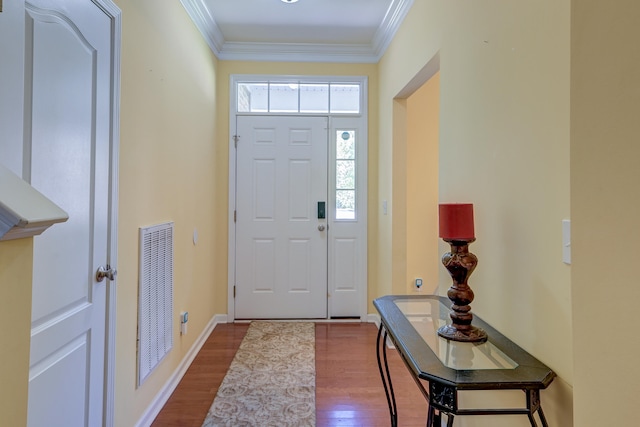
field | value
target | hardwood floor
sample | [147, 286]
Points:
[349, 391]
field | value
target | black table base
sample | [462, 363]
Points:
[442, 399]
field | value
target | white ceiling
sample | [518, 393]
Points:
[309, 30]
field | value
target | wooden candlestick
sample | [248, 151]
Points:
[460, 263]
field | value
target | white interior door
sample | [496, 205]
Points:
[281, 244]
[67, 157]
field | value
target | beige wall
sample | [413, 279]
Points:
[605, 206]
[504, 146]
[168, 167]
[423, 117]
[16, 258]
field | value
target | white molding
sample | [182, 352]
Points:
[398, 10]
[205, 23]
[24, 211]
[299, 52]
[363, 186]
[374, 318]
[165, 392]
[115, 14]
[231, 240]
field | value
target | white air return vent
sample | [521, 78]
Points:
[155, 298]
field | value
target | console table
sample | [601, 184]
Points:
[447, 367]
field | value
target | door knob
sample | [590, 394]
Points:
[321, 227]
[108, 272]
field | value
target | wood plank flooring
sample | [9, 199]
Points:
[349, 391]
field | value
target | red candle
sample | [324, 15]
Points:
[456, 221]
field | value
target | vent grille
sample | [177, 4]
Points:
[155, 298]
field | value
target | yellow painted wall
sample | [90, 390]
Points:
[16, 259]
[228, 68]
[393, 193]
[605, 208]
[504, 146]
[168, 168]
[423, 114]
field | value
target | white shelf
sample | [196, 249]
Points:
[24, 211]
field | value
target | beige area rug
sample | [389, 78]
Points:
[271, 381]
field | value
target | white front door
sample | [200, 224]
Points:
[68, 125]
[281, 243]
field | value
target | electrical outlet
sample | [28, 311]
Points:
[418, 284]
[566, 241]
[184, 318]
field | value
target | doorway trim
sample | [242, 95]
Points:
[362, 265]
[115, 14]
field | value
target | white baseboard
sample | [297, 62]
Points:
[373, 318]
[163, 395]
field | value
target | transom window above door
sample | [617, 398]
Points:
[299, 97]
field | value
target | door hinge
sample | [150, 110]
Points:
[236, 138]
[235, 216]
[234, 291]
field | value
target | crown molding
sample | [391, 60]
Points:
[203, 20]
[398, 10]
[298, 52]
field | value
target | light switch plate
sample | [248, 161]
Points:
[566, 241]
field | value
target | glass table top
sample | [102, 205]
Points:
[426, 316]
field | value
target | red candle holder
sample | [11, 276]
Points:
[457, 229]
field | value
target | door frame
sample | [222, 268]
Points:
[115, 14]
[362, 186]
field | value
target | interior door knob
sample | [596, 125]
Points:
[108, 272]
[321, 227]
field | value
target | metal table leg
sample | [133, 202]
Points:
[386, 377]
[449, 420]
[434, 419]
[543, 420]
[534, 405]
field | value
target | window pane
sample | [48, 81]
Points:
[345, 190]
[314, 98]
[346, 145]
[294, 97]
[345, 204]
[283, 98]
[345, 98]
[253, 97]
[345, 175]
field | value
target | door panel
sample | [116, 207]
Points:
[67, 144]
[348, 239]
[281, 254]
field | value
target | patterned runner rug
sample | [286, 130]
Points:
[271, 381]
